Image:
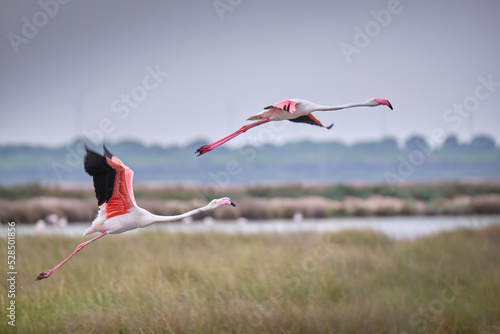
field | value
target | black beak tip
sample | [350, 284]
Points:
[232, 203]
[269, 107]
[390, 105]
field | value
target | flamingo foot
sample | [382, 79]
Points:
[204, 149]
[43, 275]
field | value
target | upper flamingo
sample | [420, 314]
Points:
[118, 211]
[295, 110]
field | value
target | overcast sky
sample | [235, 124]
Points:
[170, 72]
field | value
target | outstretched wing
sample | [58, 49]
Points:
[112, 182]
[310, 119]
[103, 175]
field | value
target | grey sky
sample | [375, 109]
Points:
[225, 66]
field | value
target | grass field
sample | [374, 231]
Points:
[349, 282]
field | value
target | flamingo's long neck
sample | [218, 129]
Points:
[344, 106]
[159, 218]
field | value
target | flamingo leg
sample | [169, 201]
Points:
[209, 147]
[47, 273]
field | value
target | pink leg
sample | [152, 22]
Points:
[47, 273]
[208, 148]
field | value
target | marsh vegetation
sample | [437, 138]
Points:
[348, 282]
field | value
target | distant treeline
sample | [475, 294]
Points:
[381, 161]
[421, 191]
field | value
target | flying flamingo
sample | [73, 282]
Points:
[118, 211]
[295, 110]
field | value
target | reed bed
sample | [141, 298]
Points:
[348, 282]
[79, 210]
[31, 202]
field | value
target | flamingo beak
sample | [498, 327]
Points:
[269, 107]
[384, 102]
[225, 201]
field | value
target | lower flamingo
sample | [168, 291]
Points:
[118, 211]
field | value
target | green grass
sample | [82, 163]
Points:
[349, 282]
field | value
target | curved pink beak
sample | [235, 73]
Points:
[384, 102]
[226, 201]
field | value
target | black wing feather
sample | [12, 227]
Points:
[308, 120]
[102, 174]
[304, 119]
[107, 153]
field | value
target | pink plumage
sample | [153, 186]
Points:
[118, 210]
[294, 110]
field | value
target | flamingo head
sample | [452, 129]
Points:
[376, 102]
[215, 203]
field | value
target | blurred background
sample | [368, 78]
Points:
[155, 80]
[66, 67]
